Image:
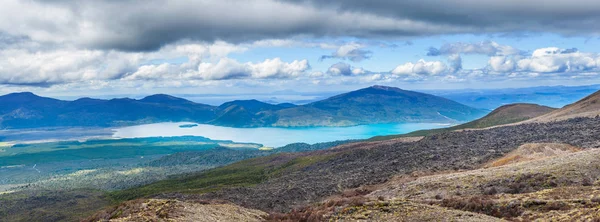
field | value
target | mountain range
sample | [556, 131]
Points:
[376, 104]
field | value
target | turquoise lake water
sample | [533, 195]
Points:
[272, 137]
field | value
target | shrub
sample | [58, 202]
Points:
[490, 191]
[556, 206]
[484, 206]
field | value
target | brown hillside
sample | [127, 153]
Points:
[534, 151]
[174, 210]
[509, 114]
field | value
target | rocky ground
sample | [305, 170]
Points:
[559, 188]
[353, 168]
[173, 210]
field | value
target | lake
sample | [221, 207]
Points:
[270, 136]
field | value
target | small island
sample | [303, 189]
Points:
[188, 125]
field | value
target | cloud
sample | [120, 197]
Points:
[421, 67]
[351, 51]
[502, 64]
[455, 62]
[21, 67]
[345, 69]
[131, 26]
[474, 16]
[484, 48]
[224, 69]
[547, 60]
[275, 68]
[182, 61]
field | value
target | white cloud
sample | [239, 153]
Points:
[345, 69]
[204, 61]
[552, 59]
[20, 66]
[275, 68]
[224, 69]
[547, 60]
[502, 64]
[352, 51]
[421, 67]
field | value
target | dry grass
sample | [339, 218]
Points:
[174, 210]
[580, 168]
[549, 182]
[405, 211]
[534, 151]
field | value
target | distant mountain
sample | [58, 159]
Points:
[245, 113]
[165, 99]
[377, 104]
[553, 96]
[506, 114]
[586, 107]
[26, 110]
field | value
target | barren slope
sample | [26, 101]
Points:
[533, 151]
[560, 187]
[173, 210]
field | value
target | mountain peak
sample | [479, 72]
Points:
[163, 98]
[21, 96]
[244, 102]
[385, 88]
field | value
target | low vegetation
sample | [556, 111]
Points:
[46, 205]
[245, 173]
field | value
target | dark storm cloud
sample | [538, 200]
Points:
[508, 14]
[147, 25]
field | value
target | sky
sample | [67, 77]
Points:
[110, 47]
